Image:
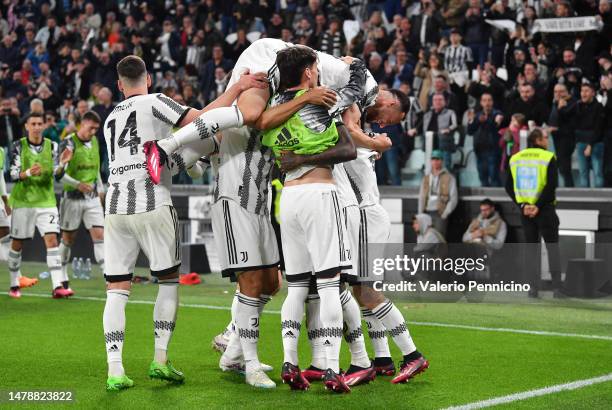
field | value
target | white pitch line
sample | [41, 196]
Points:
[416, 323]
[578, 384]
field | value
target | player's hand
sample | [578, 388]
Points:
[321, 96]
[382, 143]
[348, 59]
[289, 161]
[85, 188]
[66, 156]
[36, 170]
[257, 80]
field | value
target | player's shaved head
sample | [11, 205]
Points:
[132, 71]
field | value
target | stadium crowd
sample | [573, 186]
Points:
[465, 76]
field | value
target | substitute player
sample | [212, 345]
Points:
[140, 215]
[34, 164]
[311, 224]
[83, 190]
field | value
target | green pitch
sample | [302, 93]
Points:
[58, 345]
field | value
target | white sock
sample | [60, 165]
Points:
[54, 262]
[233, 351]
[353, 334]
[229, 329]
[114, 329]
[394, 323]
[291, 319]
[99, 253]
[315, 331]
[5, 246]
[377, 333]
[331, 317]
[164, 317]
[202, 128]
[65, 257]
[14, 265]
[247, 327]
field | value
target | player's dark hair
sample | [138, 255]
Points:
[402, 98]
[487, 202]
[292, 62]
[92, 116]
[35, 115]
[131, 68]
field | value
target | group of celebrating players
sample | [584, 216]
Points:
[286, 108]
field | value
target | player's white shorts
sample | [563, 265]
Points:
[25, 220]
[352, 220]
[312, 232]
[245, 240]
[88, 210]
[154, 232]
[375, 228]
[5, 220]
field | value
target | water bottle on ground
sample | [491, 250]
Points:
[87, 269]
[76, 268]
[43, 275]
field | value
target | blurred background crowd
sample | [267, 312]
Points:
[478, 72]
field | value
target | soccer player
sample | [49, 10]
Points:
[34, 164]
[139, 213]
[311, 224]
[5, 212]
[83, 191]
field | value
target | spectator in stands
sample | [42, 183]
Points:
[376, 67]
[10, 126]
[443, 123]
[333, 41]
[438, 195]
[561, 121]
[428, 70]
[484, 125]
[589, 143]
[9, 52]
[529, 104]
[569, 73]
[476, 32]
[400, 72]
[53, 129]
[606, 85]
[440, 86]
[487, 82]
[510, 142]
[499, 37]
[458, 62]
[425, 27]
[488, 229]
[428, 237]
[207, 77]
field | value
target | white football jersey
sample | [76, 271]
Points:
[362, 177]
[133, 122]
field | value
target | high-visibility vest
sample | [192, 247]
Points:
[529, 168]
[278, 188]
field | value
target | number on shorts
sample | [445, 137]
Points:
[52, 221]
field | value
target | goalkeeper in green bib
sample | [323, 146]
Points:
[34, 165]
[83, 190]
[312, 232]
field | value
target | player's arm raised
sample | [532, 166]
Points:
[246, 82]
[352, 120]
[279, 114]
[343, 151]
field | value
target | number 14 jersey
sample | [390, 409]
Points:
[133, 122]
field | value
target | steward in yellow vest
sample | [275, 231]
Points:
[531, 185]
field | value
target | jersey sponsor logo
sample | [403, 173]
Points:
[126, 168]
